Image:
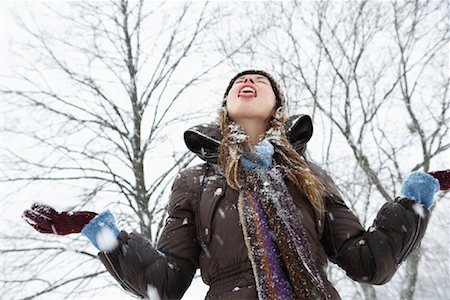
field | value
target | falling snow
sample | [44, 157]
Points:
[139, 256]
[206, 251]
[124, 249]
[106, 239]
[152, 293]
[218, 192]
[331, 216]
[418, 209]
[219, 239]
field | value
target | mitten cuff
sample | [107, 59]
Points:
[102, 231]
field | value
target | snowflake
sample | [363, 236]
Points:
[218, 192]
[152, 293]
[418, 209]
[106, 239]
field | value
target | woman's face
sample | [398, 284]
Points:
[251, 97]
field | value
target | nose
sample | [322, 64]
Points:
[248, 79]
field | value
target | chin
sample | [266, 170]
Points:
[249, 116]
[250, 112]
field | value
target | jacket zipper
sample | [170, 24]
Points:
[408, 249]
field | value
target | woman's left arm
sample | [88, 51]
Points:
[374, 255]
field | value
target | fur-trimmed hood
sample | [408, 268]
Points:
[204, 139]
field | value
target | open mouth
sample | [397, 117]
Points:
[247, 91]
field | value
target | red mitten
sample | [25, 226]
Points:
[45, 219]
[443, 177]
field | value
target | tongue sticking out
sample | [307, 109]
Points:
[247, 92]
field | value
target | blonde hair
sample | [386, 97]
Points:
[295, 166]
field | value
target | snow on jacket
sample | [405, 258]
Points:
[203, 231]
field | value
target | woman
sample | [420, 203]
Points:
[257, 218]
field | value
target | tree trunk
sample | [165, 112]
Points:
[412, 266]
[369, 291]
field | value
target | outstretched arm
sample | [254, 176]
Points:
[373, 256]
[167, 270]
[140, 268]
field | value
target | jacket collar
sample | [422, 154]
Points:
[204, 139]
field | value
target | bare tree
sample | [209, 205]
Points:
[372, 74]
[356, 90]
[97, 98]
[375, 75]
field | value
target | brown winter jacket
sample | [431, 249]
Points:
[202, 231]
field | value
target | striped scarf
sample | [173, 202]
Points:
[276, 241]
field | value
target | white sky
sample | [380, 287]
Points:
[51, 193]
[12, 210]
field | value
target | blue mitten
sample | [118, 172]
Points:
[421, 187]
[102, 231]
[260, 158]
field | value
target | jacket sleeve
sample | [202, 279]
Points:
[167, 270]
[372, 256]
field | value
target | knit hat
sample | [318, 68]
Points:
[280, 100]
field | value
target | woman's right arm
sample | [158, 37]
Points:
[169, 269]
